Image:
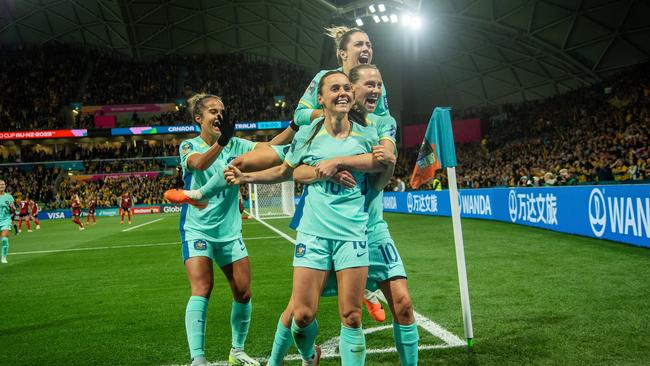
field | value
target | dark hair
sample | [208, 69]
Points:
[354, 74]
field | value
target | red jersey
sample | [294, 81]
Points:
[34, 207]
[91, 206]
[76, 207]
[127, 201]
[24, 207]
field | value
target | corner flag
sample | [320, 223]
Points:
[437, 150]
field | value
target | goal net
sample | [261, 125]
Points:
[272, 200]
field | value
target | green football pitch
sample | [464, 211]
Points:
[108, 296]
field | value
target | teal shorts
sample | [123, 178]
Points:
[223, 253]
[327, 254]
[5, 225]
[385, 264]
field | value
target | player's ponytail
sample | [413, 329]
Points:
[341, 35]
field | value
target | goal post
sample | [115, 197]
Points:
[272, 200]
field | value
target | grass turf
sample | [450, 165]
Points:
[538, 297]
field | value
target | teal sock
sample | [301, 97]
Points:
[240, 320]
[195, 316]
[305, 338]
[406, 342]
[352, 346]
[217, 183]
[281, 344]
[5, 246]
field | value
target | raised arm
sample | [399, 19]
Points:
[272, 175]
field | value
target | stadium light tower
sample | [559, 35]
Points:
[389, 12]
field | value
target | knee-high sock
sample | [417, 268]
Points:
[15, 228]
[36, 221]
[20, 224]
[352, 346]
[214, 185]
[122, 216]
[195, 317]
[406, 342]
[240, 320]
[305, 338]
[129, 213]
[281, 344]
[28, 225]
[5, 246]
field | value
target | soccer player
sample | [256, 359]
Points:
[6, 212]
[126, 206]
[33, 213]
[386, 269]
[332, 236]
[24, 214]
[91, 210]
[75, 206]
[214, 234]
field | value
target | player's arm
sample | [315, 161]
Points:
[384, 152]
[366, 163]
[272, 175]
[202, 161]
[306, 174]
[262, 157]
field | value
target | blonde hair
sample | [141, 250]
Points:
[196, 103]
[341, 35]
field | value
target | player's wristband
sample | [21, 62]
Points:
[294, 126]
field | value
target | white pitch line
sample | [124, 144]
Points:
[290, 239]
[121, 246]
[141, 225]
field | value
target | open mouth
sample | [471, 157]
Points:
[364, 58]
[371, 103]
[344, 101]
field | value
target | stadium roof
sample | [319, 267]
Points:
[487, 51]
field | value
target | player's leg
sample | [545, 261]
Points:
[27, 223]
[282, 339]
[405, 330]
[352, 342]
[232, 257]
[121, 215]
[20, 224]
[129, 214]
[38, 223]
[200, 275]
[307, 283]
[5, 243]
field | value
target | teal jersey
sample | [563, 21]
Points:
[6, 202]
[220, 221]
[281, 150]
[309, 101]
[332, 211]
[386, 128]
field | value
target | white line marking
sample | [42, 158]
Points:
[141, 225]
[121, 246]
[290, 239]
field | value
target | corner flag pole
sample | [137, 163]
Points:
[460, 255]
[438, 151]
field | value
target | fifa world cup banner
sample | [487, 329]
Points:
[614, 212]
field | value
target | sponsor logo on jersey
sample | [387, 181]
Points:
[301, 249]
[187, 147]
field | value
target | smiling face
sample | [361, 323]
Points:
[335, 93]
[367, 88]
[211, 113]
[3, 186]
[356, 51]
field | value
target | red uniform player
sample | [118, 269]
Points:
[126, 205]
[76, 211]
[91, 211]
[24, 215]
[33, 213]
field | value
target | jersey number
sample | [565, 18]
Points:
[389, 253]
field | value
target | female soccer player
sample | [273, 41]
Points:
[91, 210]
[33, 213]
[214, 233]
[386, 269]
[76, 211]
[332, 235]
[126, 206]
[6, 213]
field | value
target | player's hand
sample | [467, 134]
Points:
[326, 169]
[233, 175]
[344, 178]
[226, 125]
[381, 154]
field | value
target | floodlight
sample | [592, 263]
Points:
[393, 18]
[376, 18]
[417, 23]
[359, 22]
[385, 18]
[372, 8]
[406, 19]
[381, 7]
